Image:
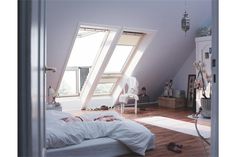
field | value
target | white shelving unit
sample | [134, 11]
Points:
[203, 54]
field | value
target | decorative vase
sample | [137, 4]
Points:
[206, 107]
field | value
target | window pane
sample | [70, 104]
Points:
[118, 59]
[86, 47]
[103, 88]
[68, 84]
[83, 76]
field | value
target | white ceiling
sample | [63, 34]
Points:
[164, 56]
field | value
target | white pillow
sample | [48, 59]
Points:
[53, 116]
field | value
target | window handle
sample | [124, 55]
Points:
[47, 69]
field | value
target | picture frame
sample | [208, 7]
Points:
[191, 92]
[207, 55]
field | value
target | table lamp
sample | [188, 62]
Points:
[53, 94]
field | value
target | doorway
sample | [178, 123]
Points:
[31, 79]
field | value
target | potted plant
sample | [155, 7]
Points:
[203, 83]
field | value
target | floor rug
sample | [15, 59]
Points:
[200, 118]
[176, 125]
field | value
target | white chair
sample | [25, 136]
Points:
[130, 94]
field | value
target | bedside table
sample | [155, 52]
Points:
[56, 107]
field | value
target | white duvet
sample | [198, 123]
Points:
[60, 134]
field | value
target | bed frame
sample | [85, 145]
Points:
[100, 147]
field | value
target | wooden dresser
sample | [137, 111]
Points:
[171, 102]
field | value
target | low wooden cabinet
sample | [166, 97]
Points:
[171, 102]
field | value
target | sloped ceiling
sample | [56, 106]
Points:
[164, 56]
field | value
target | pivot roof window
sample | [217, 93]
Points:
[123, 51]
[86, 48]
[118, 63]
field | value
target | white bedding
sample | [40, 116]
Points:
[60, 134]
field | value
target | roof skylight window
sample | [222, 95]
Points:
[110, 50]
[85, 50]
[122, 52]
[86, 47]
[121, 56]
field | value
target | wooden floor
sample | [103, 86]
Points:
[192, 145]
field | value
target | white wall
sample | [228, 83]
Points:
[180, 81]
[164, 56]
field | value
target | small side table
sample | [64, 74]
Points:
[56, 107]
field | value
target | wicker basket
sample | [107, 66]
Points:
[206, 107]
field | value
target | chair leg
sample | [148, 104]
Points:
[122, 108]
[135, 107]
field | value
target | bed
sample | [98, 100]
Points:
[110, 146]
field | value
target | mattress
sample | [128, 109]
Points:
[100, 147]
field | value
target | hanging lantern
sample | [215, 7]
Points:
[185, 22]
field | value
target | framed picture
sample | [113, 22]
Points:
[191, 92]
[207, 55]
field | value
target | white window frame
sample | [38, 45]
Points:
[105, 79]
[101, 61]
[78, 81]
[69, 54]
[99, 65]
[119, 75]
[132, 53]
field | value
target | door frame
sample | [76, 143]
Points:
[31, 82]
[215, 84]
[31, 85]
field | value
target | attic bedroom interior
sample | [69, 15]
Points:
[123, 78]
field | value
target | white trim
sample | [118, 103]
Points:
[109, 92]
[78, 81]
[67, 57]
[99, 26]
[70, 51]
[99, 67]
[118, 75]
[140, 49]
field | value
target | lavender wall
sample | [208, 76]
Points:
[164, 56]
[180, 81]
